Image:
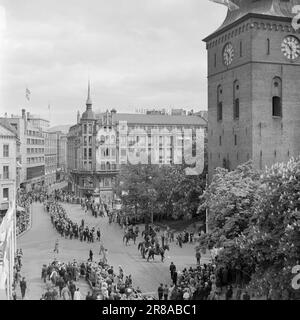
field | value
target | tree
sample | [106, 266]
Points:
[260, 226]
[164, 189]
[228, 199]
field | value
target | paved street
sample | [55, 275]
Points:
[38, 244]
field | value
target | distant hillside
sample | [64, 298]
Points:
[62, 128]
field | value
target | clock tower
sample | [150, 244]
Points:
[254, 86]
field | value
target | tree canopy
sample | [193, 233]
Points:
[166, 190]
[255, 217]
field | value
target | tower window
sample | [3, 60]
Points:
[236, 100]
[276, 107]
[277, 97]
[220, 140]
[215, 62]
[220, 111]
[241, 49]
[235, 139]
[268, 46]
[236, 108]
[219, 103]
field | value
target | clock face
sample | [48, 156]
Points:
[290, 47]
[228, 54]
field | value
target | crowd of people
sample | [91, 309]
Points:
[24, 202]
[62, 281]
[67, 228]
[204, 282]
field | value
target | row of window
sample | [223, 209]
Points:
[87, 152]
[276, 99]
[35, 160]
[35, 150]
[35, 141]
[34, 133]
[87, 128]
[87, 140]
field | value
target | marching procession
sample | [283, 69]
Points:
[62, 280]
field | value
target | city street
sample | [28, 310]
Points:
[38, 244]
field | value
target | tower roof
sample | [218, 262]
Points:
[88, 114]
[89, 100]
[275, 8]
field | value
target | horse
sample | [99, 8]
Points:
[161, 251]
[129, 236]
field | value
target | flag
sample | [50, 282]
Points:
[229, 4]
[27, 94]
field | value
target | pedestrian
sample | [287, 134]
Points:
[172, 269]
[175, 278]
[56, 246]
[160, 291]
[91, 256]
[229, 293]
[66, 294]
[23, 287]
[77, 294]
[246, 296]
[198, 257]
[72, 288]
[166, 292]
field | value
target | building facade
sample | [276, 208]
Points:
[8, 165]
[253, 86]
[32, 145]
[100, 143]
[51, 150]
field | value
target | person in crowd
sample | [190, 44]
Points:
[23, 287]
[160, 291]
[77, 294]
[172, 269]
[66, 294]
[198, 257]
[166, 292]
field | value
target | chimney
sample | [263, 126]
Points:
[28, 115]
[23, 113]
[78, 117]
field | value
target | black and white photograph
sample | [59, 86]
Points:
[149, 151]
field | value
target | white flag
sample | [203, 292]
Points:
[229, 4]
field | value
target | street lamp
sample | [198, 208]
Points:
[152, 193]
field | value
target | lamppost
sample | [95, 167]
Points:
[152, 193]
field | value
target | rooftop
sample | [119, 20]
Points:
[133, 118]
[275, 8]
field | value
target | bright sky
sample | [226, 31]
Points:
[137, 53]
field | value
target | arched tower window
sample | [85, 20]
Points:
[268, 46]
[236, 100]
[219, 103]
[277, 97]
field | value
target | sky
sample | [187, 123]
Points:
[137, 54]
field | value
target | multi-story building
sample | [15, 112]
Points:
[99, 144]
[8, 248]
[61, 171]
[51, 143]
[9, 169]
[32, 144]
[253, 86]
[8, 165]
